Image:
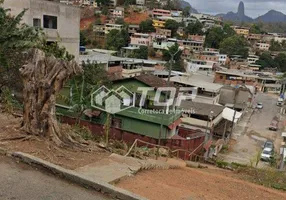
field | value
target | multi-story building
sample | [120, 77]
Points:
[59, 21]
[252, 59]
[117, 12]
[159, 23]
[207, 56]
[140, 2]
[109, 27]
[254, 37]
[223, 59]
[184, 44]
[99, 29]
[133, 29]
[140, 39]
[112, 3]
[241, 30]
[163, 33]
[161, 12]
[262, 46]
[280, 38]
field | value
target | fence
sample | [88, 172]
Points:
[168, 153]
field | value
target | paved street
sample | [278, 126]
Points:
[22, 182]
[250, 134]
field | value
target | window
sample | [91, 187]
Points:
[221, 77]
[37, 22]
[50, 22]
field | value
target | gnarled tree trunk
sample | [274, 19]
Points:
[43, 77]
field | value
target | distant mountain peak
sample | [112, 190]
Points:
[240, 10]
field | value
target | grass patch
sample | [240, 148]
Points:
[267, 177]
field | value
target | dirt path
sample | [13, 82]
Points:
[196, 184]
[43, 148]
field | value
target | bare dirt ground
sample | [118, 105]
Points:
[196, 184]
[43, 148]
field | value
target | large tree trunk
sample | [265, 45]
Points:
[43, 77]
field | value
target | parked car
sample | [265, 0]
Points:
[268, 144]
[266, 154]
[259, 105]
[273, 126]
[280, 102]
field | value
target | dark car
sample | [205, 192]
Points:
[273, 126]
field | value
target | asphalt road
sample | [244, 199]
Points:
[19, 181]
[248, 144]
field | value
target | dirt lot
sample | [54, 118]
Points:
[42, 148]
[196, 184]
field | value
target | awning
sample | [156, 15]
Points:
[228, 114]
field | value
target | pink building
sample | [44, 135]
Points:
[140, 39]
[160, 13]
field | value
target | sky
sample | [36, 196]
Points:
[253, 8]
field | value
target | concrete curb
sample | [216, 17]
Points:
[77, 178]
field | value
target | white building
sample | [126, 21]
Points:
[140, 2]
[262, 46]
[252, 59]
[109, 27]
[222, 59]
[59, 21]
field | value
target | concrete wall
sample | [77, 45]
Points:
[68, 20]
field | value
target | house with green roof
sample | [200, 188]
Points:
[145, 120]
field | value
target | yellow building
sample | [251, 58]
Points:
[158, 23]
[241, 31]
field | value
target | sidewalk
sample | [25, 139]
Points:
[242, 125]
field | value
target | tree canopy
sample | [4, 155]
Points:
[116, 39]
[178, 64]
[194, 28]
[147, 26]
[216, 35]
[234, 45]
[266, 61]
[172, 25]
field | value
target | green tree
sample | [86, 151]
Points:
[280, 59]
[147, 26]
[255, 29]
[216, 35]
[275, 46]
[266, 61]
[187, 11]
[120, 21]
[141, 53]
[172, 25]
[234, 45]
[178, 63]
[82, 39]
[194, 28]
[82, 86]
[116, 39]
[102, 2]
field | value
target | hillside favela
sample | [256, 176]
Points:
[142, 99]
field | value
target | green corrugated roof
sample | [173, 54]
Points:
[151, 115]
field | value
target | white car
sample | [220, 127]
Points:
[259, 106]
[266, 154]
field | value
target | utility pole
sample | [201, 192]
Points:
[234, 103]
[168, 84]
